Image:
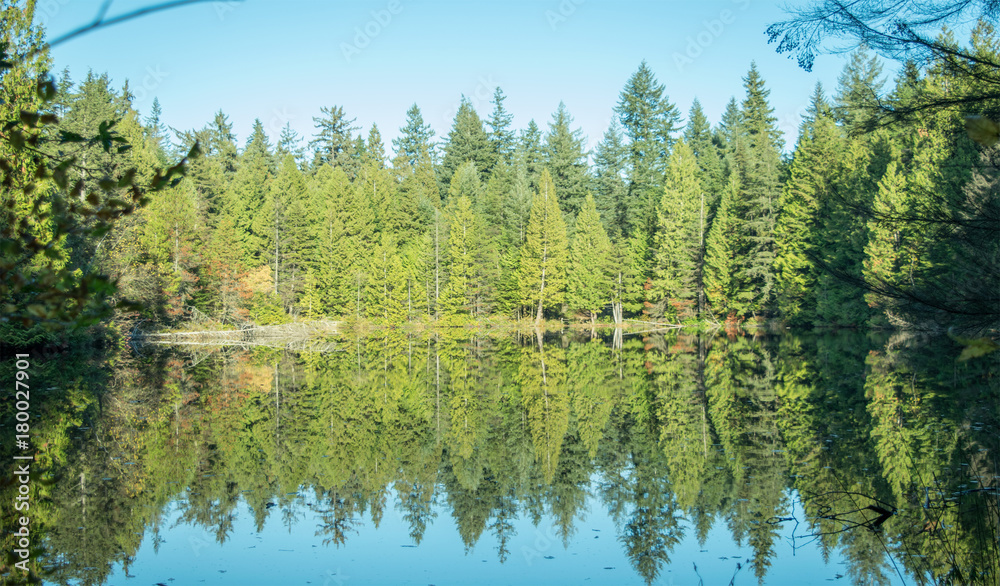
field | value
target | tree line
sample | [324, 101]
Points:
[891, 226]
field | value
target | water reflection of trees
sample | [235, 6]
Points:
[680, 433]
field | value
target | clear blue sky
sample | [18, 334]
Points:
[282, 60]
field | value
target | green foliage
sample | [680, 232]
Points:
[797, 233]
[467, 141]
[677, 239]
[649, 121]
[544, 254]
[567, 162]
[589, 281]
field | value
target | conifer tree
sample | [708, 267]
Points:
[631, 276]
[333, 143]
[501, 136]
[532, 153]
[698, 136]
[283, 223]
[221, 144]
[677, 239]
[720, 255]
[246, 193]
[386, 289]
[544, 254]
[459, 294]
[331, 193]
[885, 252]
[566, 161]
[811, 181]
[859, 92]
[649, 120]
[589, 283]
[414, 139]
[758, 158]
[467, 141]
[609, 187]
[289, 143]
[374, 149]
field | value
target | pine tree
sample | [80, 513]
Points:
[331, 192]
[333, 143]
[459, 294]
[589, 286]
[155, 132]
[289, 143]
[543, 256]
[501, 137]
[698, 136]
[758, 159]
[283, 222]
[516, 206]
[677, 239]
[859, 92]
[609, 187]
[246, 193]
[649, 120]
[532, 153]
[566, 161]
[374, 149]
[221, 144]
[414, 139]
[885, 253]
[720, 253]
[728, 136]
[796, 234]
[631, 275]
[386, 290]
[467, 141]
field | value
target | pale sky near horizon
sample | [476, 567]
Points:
[282, 61]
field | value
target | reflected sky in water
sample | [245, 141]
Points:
[295, 554]
[519, 459]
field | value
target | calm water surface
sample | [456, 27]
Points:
[513, 459]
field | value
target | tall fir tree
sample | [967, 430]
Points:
[458, 297]
[649, 120]
[290, 143]
[501, 135]
[532, 153]
[415, 138]
[859, 92]
[609, 186]
[589, 282]
[811, 181]
[674, 285]
[333, 143]
[631, 258]
[544, 254]
[567, 162]
[758, 161]
[246, 193]
[698, 136]
[467, 141]
[720, 255]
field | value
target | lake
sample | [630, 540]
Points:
[514, 458]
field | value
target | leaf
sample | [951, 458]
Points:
[67, 136]
[29, 119]
[982, 130]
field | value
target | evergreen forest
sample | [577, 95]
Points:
[671, 218]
